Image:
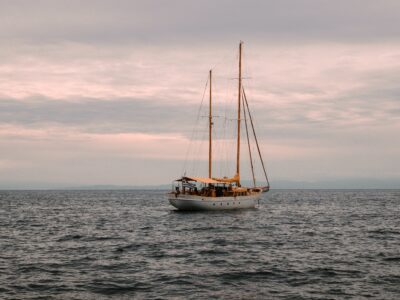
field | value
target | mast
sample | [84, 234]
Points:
[210, 132]
[238, 120]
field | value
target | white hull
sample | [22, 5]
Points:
[192, 202]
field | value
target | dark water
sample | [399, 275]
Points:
[132, 244]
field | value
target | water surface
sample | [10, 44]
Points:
[302, 244]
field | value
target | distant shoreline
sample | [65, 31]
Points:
[349, 184]
[167, 189]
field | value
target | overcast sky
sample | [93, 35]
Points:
[107, 92]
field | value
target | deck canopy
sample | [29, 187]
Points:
[202, 180]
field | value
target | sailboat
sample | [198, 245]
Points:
[212, 193]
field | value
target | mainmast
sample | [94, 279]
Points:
[238, 119]
[210, 132]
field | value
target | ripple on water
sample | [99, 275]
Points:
[133, 244]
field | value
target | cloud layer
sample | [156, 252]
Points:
[108, 22]
[105, 93]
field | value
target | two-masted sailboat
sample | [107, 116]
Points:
[211, 193]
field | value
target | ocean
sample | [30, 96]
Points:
[131, 244]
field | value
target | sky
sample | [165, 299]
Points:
[107, 92]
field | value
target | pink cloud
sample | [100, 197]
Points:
[311, 101]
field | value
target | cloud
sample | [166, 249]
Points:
[103, 22]
[92, 88]
[124, 115]
[60, 155]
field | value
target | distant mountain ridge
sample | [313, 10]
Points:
[277, 184]
[328, 184]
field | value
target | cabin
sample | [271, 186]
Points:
[210, 187]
